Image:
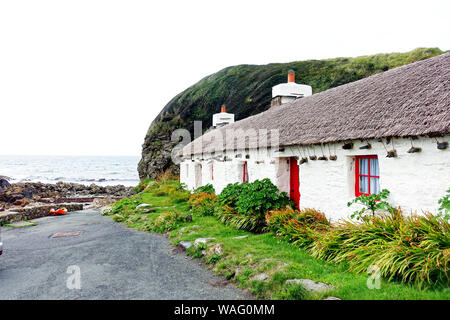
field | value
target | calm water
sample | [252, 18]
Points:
[80, 169]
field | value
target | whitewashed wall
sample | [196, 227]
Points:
[416, 180]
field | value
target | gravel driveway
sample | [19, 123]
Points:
[114, 263]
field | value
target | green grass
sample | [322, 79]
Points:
[244, 258]
[31, 224]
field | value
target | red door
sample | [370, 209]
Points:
[294, 182]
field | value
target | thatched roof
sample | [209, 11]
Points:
[411, 100]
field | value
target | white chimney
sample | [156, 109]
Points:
[290, 91]
[223, 118]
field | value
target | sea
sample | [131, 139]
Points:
[101, 170]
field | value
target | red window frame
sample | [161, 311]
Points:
[245, 172]
[357, 174]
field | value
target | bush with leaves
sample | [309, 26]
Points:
[167, 221]
[208, 188]
[260, 196]
[230, 194]
[299, 227]
[372, 203]
[202, 203]
[413, 249]
[248, 203]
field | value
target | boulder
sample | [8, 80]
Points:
[332, 298]
[202, 240]
[185, 244]
[4, 184]
[143, 205]
[261, 277]
[310, 285]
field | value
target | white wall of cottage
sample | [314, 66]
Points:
[416, 180]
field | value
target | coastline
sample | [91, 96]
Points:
[28, 200]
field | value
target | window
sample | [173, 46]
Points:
[212, 171]
[245, 173]
[367, 178]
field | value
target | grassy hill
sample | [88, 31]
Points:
[246, 90]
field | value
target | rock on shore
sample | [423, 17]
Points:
[4, 184]
[21, 194]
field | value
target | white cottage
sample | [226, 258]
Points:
[388, 131]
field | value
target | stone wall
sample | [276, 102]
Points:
[35, 211]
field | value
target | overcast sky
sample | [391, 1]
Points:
[88, 77]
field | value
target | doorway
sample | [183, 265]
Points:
[198, 175]
[294, 184]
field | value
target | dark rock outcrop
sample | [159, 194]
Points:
[4, 184]
[21, 194]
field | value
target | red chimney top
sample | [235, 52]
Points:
[223, 109]
[291, 76]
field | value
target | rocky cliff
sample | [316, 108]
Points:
[246, 90]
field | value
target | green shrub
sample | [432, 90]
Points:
[202, 203]
[260, 196]
[411, 249]
[293, 292]
[177, 195]
[299, 227]
[230, 194]
[372, 203]
[244, 206]
[142, 185]
[205, 189]
[167, 221]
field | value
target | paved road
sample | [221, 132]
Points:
[115, 263]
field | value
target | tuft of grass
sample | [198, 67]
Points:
[30, 224]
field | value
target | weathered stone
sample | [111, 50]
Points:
[185, 244]
[143, 205]
[41, 210]
[310, 285]
[149, 210]
[202, 240]
[66, 234]
[10, 216]
[4, 184]
[188, 218]
[240, 237]
[102, 202]
[216, 249]
[248, 256]
[261, 277]
[332, 298]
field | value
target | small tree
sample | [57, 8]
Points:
[372, 203]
